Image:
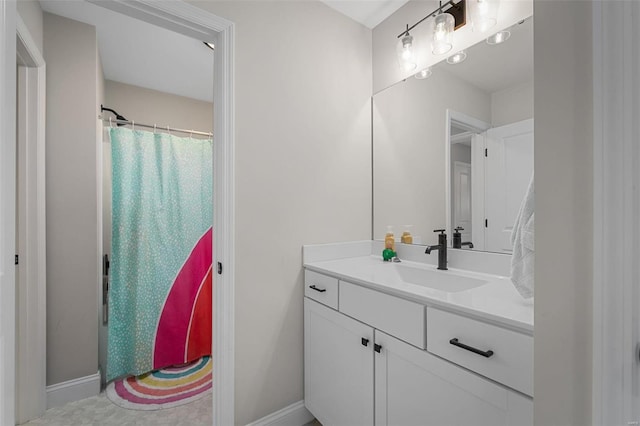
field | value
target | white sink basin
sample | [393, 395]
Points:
[440, 280]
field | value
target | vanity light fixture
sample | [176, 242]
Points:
[425, 73]
[442, 38]
[484, 14]
[456, 58]
[499, 37]
[448, 17]
[406, 52]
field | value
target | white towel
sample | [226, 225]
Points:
[522, 238]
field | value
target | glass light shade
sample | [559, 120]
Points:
[456, 58]
[406, 53]
[442, 38]
[425, 73]
[484, 14]
[499, 37]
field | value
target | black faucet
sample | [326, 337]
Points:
[442, 249]
[457, 238]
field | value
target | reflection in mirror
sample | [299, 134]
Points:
[455, 149]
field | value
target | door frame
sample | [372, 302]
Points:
[466, 122]
[616, 207]
[190, 20]
[31, 375]
[7, 209]
[193, 21]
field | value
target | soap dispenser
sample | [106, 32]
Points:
[389, 252]
[406, 237]
[457, 237]
[389, 239]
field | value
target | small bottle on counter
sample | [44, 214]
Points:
[406, 237]
[389, 239]
[389, 251]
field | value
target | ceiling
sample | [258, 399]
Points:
[142, 54]
[137, 53]
[368, 12]
[496, 67]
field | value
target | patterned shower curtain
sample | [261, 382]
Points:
[162, 212]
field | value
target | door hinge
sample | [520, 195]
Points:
[486, 223]
[16, 260]
[219, 268]
[486, 152]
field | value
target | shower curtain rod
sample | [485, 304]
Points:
[154, 127]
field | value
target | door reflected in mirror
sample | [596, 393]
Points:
[455, 150]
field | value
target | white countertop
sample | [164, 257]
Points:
[496, 301]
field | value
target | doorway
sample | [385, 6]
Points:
[188, 20]
[30, 260]
[481, 157]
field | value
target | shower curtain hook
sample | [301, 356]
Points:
[191, 134]
[110, 123]
[168, 130]
[154, 128]
[133, 125]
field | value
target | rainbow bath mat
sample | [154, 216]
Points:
[165, 388]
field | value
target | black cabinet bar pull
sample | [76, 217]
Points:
[365, 342]
[321, 290]
[377, 347]
[485, 354]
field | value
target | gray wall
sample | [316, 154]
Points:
[153, 107]
[564, 212]
[303, 176]
[31, 14]
[70, 51]
[512, 105]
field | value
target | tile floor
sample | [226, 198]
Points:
[99, 411]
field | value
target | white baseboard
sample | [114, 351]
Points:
[73, 390]
[295, 414]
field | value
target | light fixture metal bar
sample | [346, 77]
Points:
[452, 3]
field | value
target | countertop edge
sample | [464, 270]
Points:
[495, 319]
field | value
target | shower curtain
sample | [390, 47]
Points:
[162, 215]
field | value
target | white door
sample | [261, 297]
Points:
[461, 198]
[338, 367]
[509, 166]
[415, 388]
[7, 209]
[477, 190]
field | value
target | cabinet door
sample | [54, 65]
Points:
[338, 367]
[413, 387]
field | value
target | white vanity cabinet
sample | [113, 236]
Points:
[338, 367]
[413, 387]
[368, 362]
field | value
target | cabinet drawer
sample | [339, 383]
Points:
[322, 288]
[502, 355]
[401, 318]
